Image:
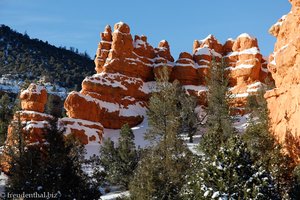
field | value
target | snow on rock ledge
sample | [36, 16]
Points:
[86, 131]
[126, 66]
[34, 98]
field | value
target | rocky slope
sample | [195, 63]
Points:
[284, 100]
[22, 57]
[126, 67]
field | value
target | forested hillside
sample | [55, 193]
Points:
[25, 58]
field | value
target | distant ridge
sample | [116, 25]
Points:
[24, 58]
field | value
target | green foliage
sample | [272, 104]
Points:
[295, 191]
[161, 172]
[219, 123]
[230, 174]
[54, 166]
[170, 110]
[6, 113]
[118, 162]
[54, 106]
[26, 166]
[31, 58]
[188, 116]
[264, 148]
[128, 156]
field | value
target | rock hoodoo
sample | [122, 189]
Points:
[30, 120]
[31, 116]
[118, 93]
[284, 100]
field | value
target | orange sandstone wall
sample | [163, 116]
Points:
[284, 100]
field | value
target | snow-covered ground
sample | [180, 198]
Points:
[114, 195]
[11, 85]
[3, 179]
[138, 131]
[240, 123]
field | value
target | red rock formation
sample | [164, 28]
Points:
[31, 118]
[85, 131]
[284, 100]
[118, 93]
[126, 68]
[34, 98]
[245, 67]
[162, 58]
[33, 101]
[103, 49]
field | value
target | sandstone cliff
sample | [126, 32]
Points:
[284, 100]
[118, 93]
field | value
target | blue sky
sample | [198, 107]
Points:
[78, 23]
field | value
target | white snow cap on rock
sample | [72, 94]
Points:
[246, 35]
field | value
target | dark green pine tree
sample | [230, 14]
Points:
[63, 169]
[230, 174]
[219, 123]
[260, 141]
[54, 166]
[5, 116]
[107, 159]
[295, 191]
[118, 162]
[127, 156]
[26, 163]
[161, 171]
[188, 117]
[54, 106]
[263, 146]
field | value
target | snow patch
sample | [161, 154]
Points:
[198, 88]
[246, 35]
[264, 69]
[253, 51]
[83, 125]
[242, 66]
[34, 113]
[205, 50]
[148, 87]
[35, 124]
[139, 43]
[241, 122]
[114, 195]
[133, 110]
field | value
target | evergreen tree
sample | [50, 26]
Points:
[219, 123]
[295, 191]
[53, 166]
[264, 148]
[107, 160]
[118, 162]
[230, 174]
[54, 106]
[5, 116]
[26, 164]
[161, 172]
[260, 141]
[63, 169]
[188, 117]
[127, 155]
